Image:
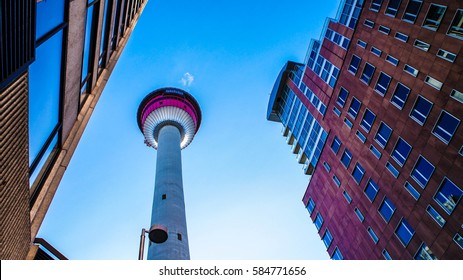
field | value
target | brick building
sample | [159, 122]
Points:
[56, 57]
[374, 114]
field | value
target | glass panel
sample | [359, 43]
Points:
[448, 195]
[384, 29]
[400, 36]
[359, 214]
[456, 28]
[373, 235]
[354, 64]
[50, 14]
[368, 120]
[336, 144]
[410, 70]
[371, 190]
[401, 151]
[422, 45]
[346, 157]
[358, 173]
[404, 232]
[413, 192]
[434, 16]
[394, 61]
[88, 38]
[318, 221]
[433, 82]
[337, 255]
[392, 7]
[446, 55]
[412, 10]
[400, 96]
[435, 215]
[382, 84]
[343, 93]
[459, 240]
[376, 5]
[327, 238]
[347, 196]
[445, 127]
[310, 206]
[367, 74]
[375, 152]
[354, 108]
[421, 110]
[383, 134]
[455, 94]
[386, 255]
[386, 209]
[424, 253]
[422, 171]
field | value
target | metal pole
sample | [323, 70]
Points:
[142, 244]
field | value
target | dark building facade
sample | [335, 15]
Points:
[384, 86]
[56, 57]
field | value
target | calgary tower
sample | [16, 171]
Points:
[169, 119]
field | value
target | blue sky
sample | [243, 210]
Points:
[243, 186]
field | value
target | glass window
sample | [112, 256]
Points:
[362, 44]
[384, 29]
[348, 123]
[346, 158]
[392, 60]
[392, 169]
[445, 127]
[367, 73]
[386, 209]
[327, 166]
[50, 14]
[371, 190]
[87, 60]
[412, 11]
[336, 111]
[424, 253]
[383, 83]
[376, 51]
[318, 221]
[455, 94]
[383, 134]
[456, 28]
[448, 195]
[361, 136]
[327, 238]
[421, 110]
[435, 215]
[446, 55]
[386, 255]
[422, 45]
[358, 173]
[401, 37]
[413, 192]
[336, 180]
[354, 64]
[375, 152]
[433, 82]
[336, 144]
[347, 196]
[400, 96]
[359, 214]
[401, 151]
[310, 206]
[376, 5]
[422, 171]
[459, 240]
[410, 70]
[373, 235]
[434, 16]
[354, 108]
[342, 97]
[404, 232]
[369, 23]
[392, 7]
[337, 255]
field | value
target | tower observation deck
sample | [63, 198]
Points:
[169, 119]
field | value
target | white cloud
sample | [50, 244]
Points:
[187, 79]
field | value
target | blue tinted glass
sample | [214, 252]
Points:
[405, 232]
[359, 214]
[368, 72]
[387, 209]
[448, 195]
[310, 206]
[318, 221]
[371, 190]
[43, 160]
[373, 235]
[421, 110]
[327, 238]
[446, 126]
[50, 14]
[358, 173]
[392, 7]
[343, 93]
[354, 108]
[346, 157]
[44, 93]
[88, 31]
[400, 95]
[383, 134]
[347, 196]
[367, 121]
[354, 64]
[386, 255]
[401, 151]
[336, 255]
[422, 171]
[383, 83]
[336, 145]
[413, 192]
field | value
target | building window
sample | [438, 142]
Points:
[376, 51]
[413, 192]
[354, 108]
[401, 151]
[336, 180]
[392, 169]
[310, 206]
[448, 195]
[358, 173]
[346, 158]
[421, 45]
[392, 60]
[371, 190]
[422, 171]
[50, 14]
[354, 64]
[433, 82]
[459, 240]
[383, 134]
[410, 70]
[386, 209]
[400, 96]
[342, 97]
[456, 28]
[424, 253]
[383, 83]
[327, 238]
[386, 255]
[89, 50]
[359, 214]
[435, 215]
[445, 127]
[361, 44]
[318, 221]
[367, 73]
[361, 136]
[367, 120]
[336, 144]
[348, 123]
[412, 11]
[369, 23]
[336, 111]
[347, 196]
[446, 55]
[404, 232]
[337, 255]
[434, 16]
[392, 7]
[458, 96]
[401, 37]
[376, 5]
[373, 235]
[327, 166]
[375, 152]
[421, 110]
[384, 29]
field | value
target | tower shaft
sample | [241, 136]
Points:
[168, 202]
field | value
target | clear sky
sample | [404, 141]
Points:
[243, 186]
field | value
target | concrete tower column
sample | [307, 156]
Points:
[168, 202]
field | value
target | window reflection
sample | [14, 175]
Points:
[50, 14]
